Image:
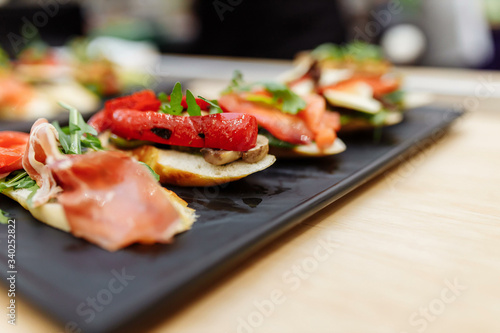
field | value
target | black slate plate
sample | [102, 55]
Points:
[64, 275]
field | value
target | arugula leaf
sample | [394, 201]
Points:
[163, 97]
[17, 179]
[328, 51]
[275, 142]
[237, 83]
[33, 190]
[282, 97]
[357, 50]
[290, 101]
[157, 176]
[214, 105]
[78, 134]
[173, 106]
[395, 97]
[91, 142]
[63, 137]
[193, 107]
[360, 51]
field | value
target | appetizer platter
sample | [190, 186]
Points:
[237, 172]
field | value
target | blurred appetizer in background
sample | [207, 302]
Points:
[355, 80]
[67, 180]
[188, 141]
[294, 125]
[81, 74]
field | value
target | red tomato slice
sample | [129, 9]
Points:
[380, 86]
[12, 147]
[223, 131]
[283, 126]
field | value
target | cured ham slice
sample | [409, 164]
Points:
[108, 198]
[113, 201]
[42, 149]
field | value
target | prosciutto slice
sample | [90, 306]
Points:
[108, 198]
[113, 201]
[42, 149]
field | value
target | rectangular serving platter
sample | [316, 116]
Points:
[59, 272]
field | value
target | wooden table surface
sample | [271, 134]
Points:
[417, 249]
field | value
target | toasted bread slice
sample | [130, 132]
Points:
[361, 124]
[310, 150]
[52, 213]
[186, 169]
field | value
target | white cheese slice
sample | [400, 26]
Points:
[356, 101]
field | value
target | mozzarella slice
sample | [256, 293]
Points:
[360, 101]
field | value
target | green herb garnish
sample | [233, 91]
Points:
[281, 96]
[359, 50]
[193, 107]
[275, 142]
[395, 97]
[78, 134]
[328, 51]
[214, 105]
[237, 83]
[287, 100]
[356, 50]
[157, 176]
[18, 180]
[172, 106]
[4, 217]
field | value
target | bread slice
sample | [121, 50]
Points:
[357, 124]
[186, 169]
[310, 150]
[52, 213]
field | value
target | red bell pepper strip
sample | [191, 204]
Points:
[12, 147]
[283, 126]
[144, 100]
[223, 131]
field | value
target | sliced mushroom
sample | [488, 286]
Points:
[258, 152]
[220, 157]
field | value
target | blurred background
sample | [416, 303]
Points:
[447, 33]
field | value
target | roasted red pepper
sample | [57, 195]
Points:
[223, 131]
[12, 147]
[283, 126]
[204, 106]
